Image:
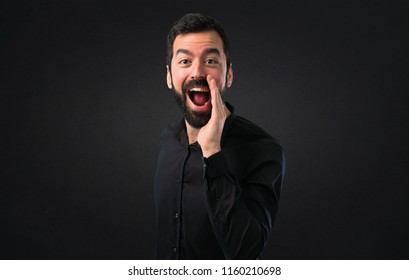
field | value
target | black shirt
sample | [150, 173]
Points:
[222, 207]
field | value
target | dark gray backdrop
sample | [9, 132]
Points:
[84, 99]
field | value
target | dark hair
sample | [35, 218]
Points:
[194, 23]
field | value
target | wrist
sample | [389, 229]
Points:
[210, 151]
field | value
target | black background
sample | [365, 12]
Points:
[84, 99]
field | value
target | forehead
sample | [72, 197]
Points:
[198, 41]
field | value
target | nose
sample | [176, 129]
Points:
[198, 71]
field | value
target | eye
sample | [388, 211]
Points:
[184, 61]
[211, 61]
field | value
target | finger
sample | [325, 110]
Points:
[216, 99]
[213, 86]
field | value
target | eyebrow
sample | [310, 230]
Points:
[211, 51]
[206, 51]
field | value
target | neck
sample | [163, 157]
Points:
[192, 133]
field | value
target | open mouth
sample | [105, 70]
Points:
[199, 95]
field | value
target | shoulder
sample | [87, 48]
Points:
[242, 130]
[245, 142]
[172, 130]
[243, 137]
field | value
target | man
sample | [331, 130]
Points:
[218, 177]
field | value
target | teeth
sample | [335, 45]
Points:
[199, 89]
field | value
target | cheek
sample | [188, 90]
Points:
[220, 78]
[221, 82]
[178, 79]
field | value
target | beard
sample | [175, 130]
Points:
[193, 118]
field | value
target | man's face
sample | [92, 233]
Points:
[196, 55]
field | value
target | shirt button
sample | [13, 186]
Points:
[174, 249]
[176, 215]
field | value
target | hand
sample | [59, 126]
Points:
[210, 135]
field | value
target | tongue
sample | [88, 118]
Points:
[200, 98]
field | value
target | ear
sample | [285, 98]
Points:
[168, 77]
[230, 76]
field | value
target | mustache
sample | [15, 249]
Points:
[193, 83]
